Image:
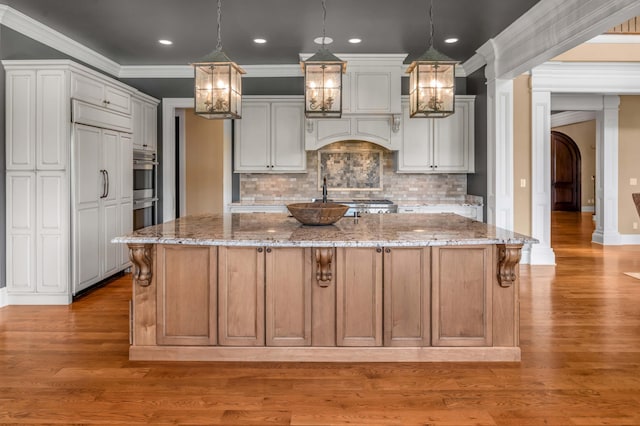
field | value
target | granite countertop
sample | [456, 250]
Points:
[462, 200]
[279, 229]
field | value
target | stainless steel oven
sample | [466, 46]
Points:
[144, 174]
[144, 189]
[144, 213]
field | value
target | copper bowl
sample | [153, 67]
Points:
[317, 213]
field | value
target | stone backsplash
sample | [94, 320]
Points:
[354, 164]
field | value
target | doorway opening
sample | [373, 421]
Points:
[566, 175]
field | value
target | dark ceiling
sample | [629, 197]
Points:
[127, 31]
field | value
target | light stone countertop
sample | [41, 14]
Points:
[279, 229]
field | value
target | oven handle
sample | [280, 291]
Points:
[145, 202]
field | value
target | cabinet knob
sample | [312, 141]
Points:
[387, 250]
[378, 250]
[259, 249]
[268, 249]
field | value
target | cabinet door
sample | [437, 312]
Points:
[287, 142]
[252, 138]
[451, 141]
[138, 127]
[126, 227]
[52, 221]
[186, 296]
[52, 115]
[117, 99]
[241, 296]
[288, 296]
[21, 120]
[87, 89]
[462, 295]
[110, 153]
[416, 153]
[358, 297]
[111, 252]
[407, 287]
[150, 127]
[372, 91]
[21, 231]
[89, 186]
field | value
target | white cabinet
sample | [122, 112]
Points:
[372, 89]
[269, 137]
[144, 113]
[102, 202]
[382, 130]
[100, 93]
[58, 226]
[438, 145]
[37, 120]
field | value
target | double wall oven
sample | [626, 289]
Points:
[145, 199]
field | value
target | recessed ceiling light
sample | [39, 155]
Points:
[355, 40]
[165, 42]
[259, 40]
[327, 40]
[451, 40]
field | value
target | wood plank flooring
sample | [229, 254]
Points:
[580, 364]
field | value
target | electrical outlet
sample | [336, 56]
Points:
[635, 225]
[523, 183]
[633, 181]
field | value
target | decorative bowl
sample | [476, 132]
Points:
[317, 213]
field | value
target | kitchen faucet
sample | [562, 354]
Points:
[324, 190]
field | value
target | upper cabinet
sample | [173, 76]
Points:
[269, 137]
[438, 145]
[145, 121]
[370, 89]
[97, 92]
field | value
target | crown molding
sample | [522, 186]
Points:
[548, 29]
[186, 71]
[31, 28]
[570, 117]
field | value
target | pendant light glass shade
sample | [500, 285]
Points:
[217, 83]
[323, 85]
[323, 81]
[432, 82]
[432, 85]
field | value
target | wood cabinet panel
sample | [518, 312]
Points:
[21, 120]
[462, 295]
[186, 295]
[407, 286]
[358, 297]
[288, 296]
[241, 296]
[323, 309]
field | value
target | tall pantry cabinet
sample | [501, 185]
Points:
[69, 178]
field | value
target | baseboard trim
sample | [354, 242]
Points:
[525, 257]
[4, 300]
[588, 209]
[324, 354]
[630, 239]
[542, 255]
[38, 299]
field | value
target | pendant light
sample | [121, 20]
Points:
[432, 82]
[323, 81]
[218, 83]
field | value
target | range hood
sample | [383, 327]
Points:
[371, 102]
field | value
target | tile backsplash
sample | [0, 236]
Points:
[343, 160]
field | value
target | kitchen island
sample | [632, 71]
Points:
[263, 287]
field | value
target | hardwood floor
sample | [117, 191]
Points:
[580, 336]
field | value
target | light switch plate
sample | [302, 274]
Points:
[633, 181]
[523, 183]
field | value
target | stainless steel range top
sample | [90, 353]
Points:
[360, 206]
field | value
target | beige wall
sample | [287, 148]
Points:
[584, 135]
[628, 162]
[204, 164]
[522, 154]
[597, 52]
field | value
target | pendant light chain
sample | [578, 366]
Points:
[324, 18]
[431, 24]
[219, 45]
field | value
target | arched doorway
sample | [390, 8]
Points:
[565, 173]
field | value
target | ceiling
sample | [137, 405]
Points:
[127, 31]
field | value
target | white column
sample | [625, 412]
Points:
[606, 231]
[541, 253]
